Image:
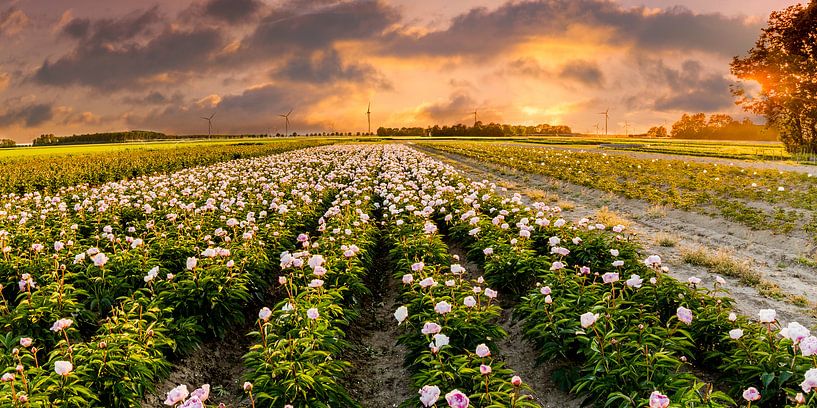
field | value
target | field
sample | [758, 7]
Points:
[411, 273]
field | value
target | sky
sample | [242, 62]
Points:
[81, 66]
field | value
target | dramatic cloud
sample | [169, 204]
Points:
[28, 115]
[326, 66]
[232, 10]
[580, 71]
[689, 88]
[12, 21]
[109, 56]
[93, 65]
[485, 33]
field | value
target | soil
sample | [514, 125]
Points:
[774, 257]
[378, 378]
[218, 363]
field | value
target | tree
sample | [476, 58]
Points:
[689, 126]
[719, 121]
[657, 131]
[784, 63]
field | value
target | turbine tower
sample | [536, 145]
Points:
[475, 117]
[286, 123]
[209, 124]
[369, 117]
[627, 128]
[606, 117]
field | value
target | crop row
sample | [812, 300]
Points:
[779, 201]
[104, 286]
[111, 282]
[40, 174]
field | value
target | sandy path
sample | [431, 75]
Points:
[772, 256]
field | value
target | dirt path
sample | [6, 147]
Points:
[378, 378]
[218, 363]
[750, 164]
[774, 257]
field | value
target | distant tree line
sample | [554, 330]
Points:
[7, 143]
[716, 127]
[129, 136]
[479, 129]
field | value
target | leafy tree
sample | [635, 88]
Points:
[784, 63]
[689, 126]
[657, 131]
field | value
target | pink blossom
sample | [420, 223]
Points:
[735, 334]
[658, 400]
[176, 395]
[483, 351]
[588, 319]
[751, 394]
[635, 281]
[63, 368]
[61, 324]
[767, 315]
[610, 277]
[469, 301]
[808, 346]
[191, 263]
[456, 399]
[408, 278]
[193, 402]
[312, 313]
[442, 307]
[544, 290]
[401, 314]
[429, 395]
[431, 328]
[516, 381]
[484, 369]
[684, 315]
[490, 293]
[202, 393]
[26, 341]
[265, 314]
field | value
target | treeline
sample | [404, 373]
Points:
[716, 127]
[479, 129]
[120, 137]
[7, 143]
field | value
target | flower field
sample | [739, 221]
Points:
[764, 199]
[106, 286]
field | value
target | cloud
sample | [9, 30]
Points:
[580, 71]
[12, 21]
[486, 33]
[689, 88]
[231, 10]
[326, 66]
[153, 98]
[30, 115]
[458, 108]
[96, 64]
[5, 80]
[314, 27]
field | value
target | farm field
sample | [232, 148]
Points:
[386, 274]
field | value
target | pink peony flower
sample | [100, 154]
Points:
[684, 315]
[658, 400]
[795, 332]
[442, 307]
[588, 319]
[431, 328]
[516, 381]
[176, 395]
[751, 394]
[485, 369]
[545, 290]
[735, 334]
[483, 351]
[61, 324]
[490, 293]
[808, 346]
[191, 263]
[810, 380]
[312, 313]
[202, 393]
[635, 281]
[767, 315]
[26, 341]
[469, 301]
[193, 402]
[264, 314]
[457, 399]
[429, 395]
[408, 278]
[610, 277]
[401, 314]
[63, 368]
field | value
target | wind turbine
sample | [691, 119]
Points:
[209, 124]
[286, 122]
[627, 128]
[597, 128]
[475, 117]
[606, 116]
[369, 116]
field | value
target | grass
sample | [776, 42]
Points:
[607, 217]
[721, 262]
[666, 240]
